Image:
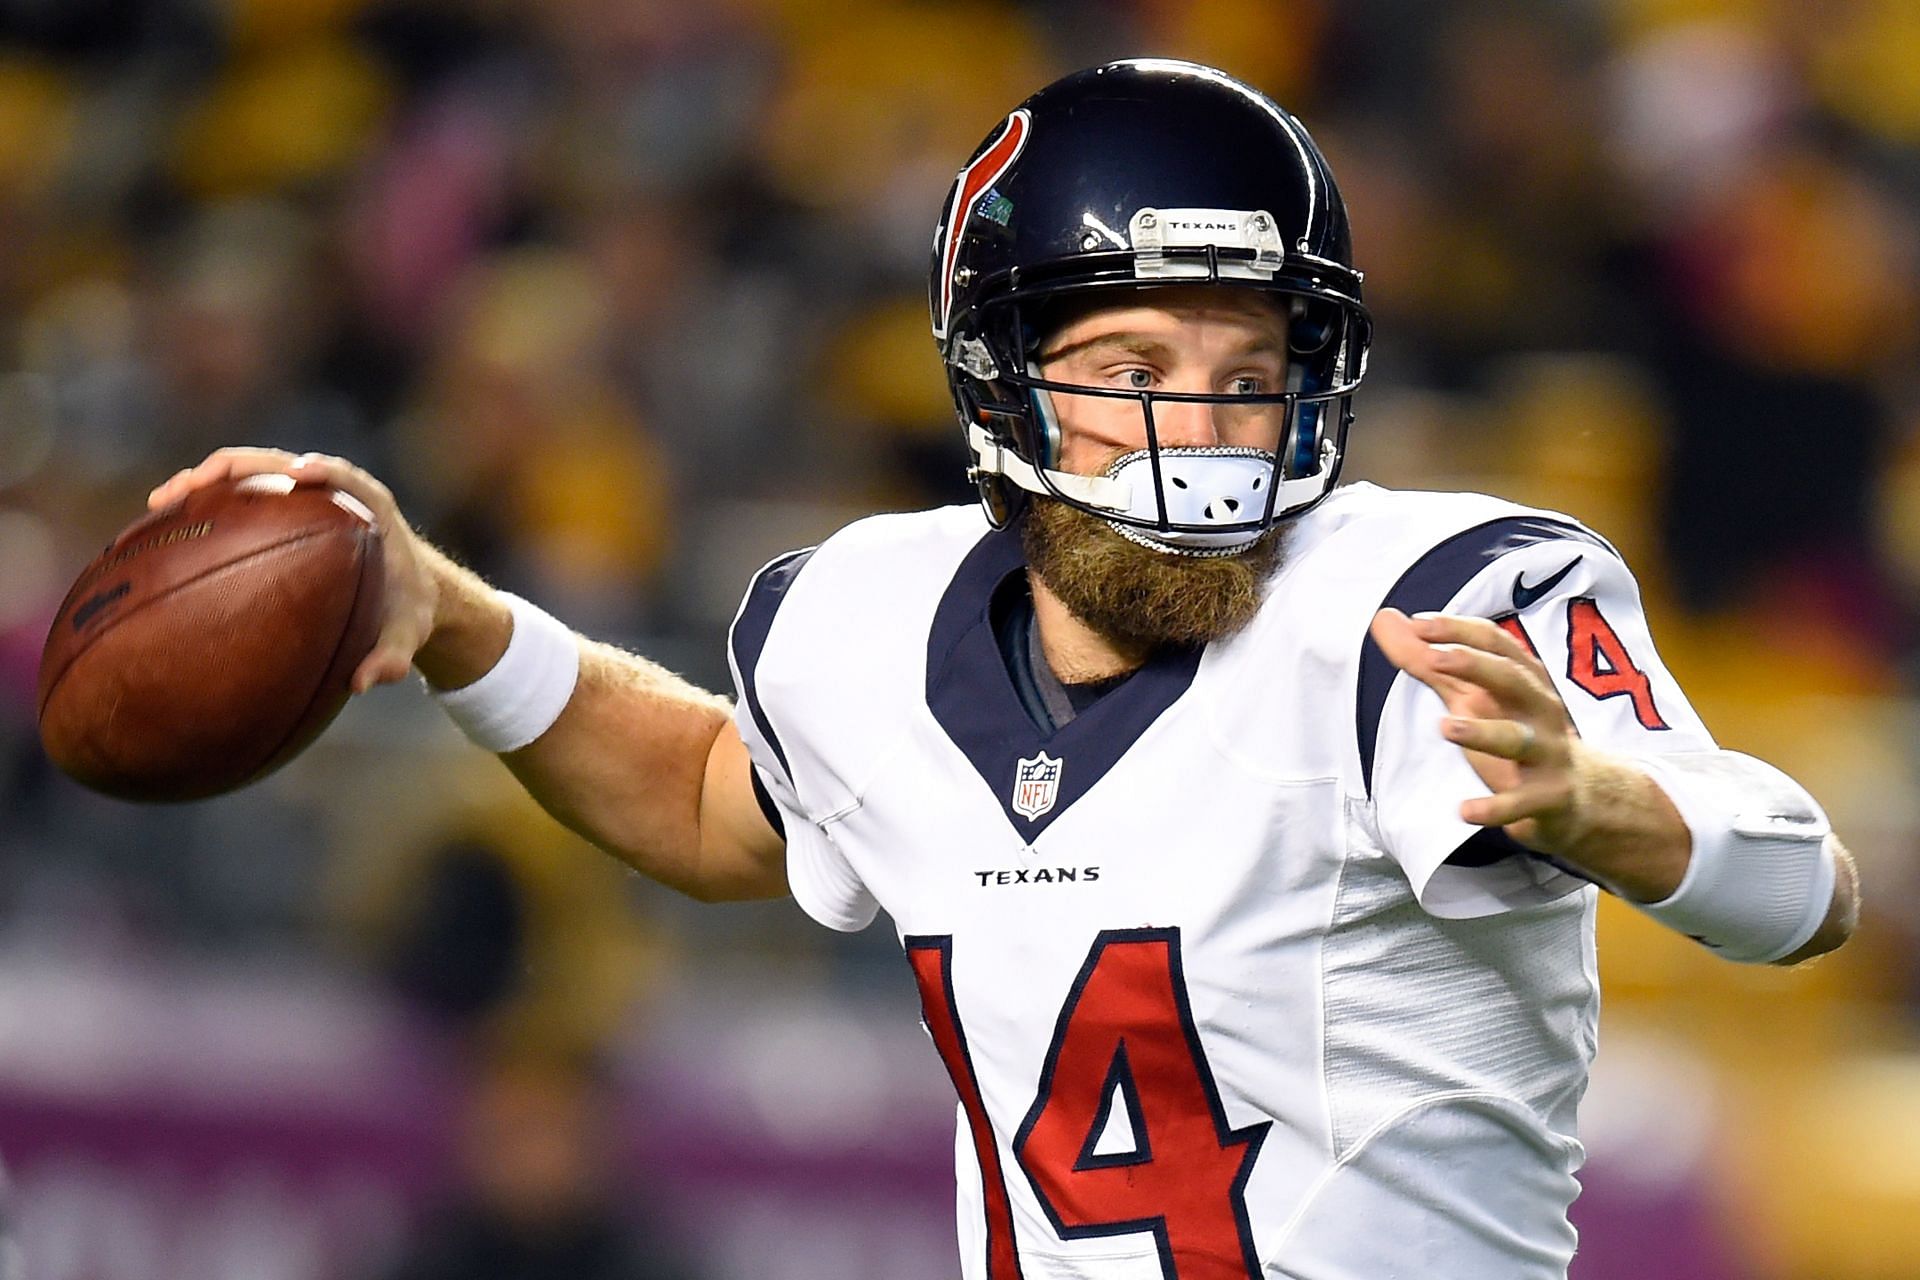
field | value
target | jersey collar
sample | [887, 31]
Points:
[972, 695]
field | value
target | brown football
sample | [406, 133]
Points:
[212, 641]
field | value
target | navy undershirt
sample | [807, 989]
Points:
[1048, 701]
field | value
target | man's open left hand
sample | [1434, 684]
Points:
[1503, 711]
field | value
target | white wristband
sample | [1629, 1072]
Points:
[1761, 876]
[525, 692]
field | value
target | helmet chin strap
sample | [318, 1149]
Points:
[992, 458]
[1214, 484]
[1200, 485]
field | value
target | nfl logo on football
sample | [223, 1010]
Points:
[1036, 785]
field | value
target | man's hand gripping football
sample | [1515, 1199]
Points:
[412, 590]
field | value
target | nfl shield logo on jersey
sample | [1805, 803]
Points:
[1036, 785]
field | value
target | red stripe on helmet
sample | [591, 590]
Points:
[973, 182]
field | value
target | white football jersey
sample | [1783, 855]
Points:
[1216, 1002]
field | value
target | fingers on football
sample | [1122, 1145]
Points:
[384, 665]
[391, 657]
[408, 623]
[1508, 739]
[1531, 799]
[221, 464]
[320, 468]
[306, 468]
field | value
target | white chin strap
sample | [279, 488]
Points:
[992, 458]
[1216, 484]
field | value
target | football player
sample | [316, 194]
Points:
[1243, 833]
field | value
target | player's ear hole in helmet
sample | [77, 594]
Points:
[1131, 176]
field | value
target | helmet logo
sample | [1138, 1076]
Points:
[1036, 785]
[973, 183]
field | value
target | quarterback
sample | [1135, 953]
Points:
[1242, 832]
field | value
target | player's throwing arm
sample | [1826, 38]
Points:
[638, 761]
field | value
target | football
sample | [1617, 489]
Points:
[212, 640]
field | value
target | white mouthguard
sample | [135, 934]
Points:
[1214, 484]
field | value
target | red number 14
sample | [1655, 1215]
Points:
[1125, 1042]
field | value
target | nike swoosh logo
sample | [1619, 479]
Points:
[1524, 596]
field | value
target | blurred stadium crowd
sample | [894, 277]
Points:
[623, 297]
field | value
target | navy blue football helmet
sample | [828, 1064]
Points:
[1135, 175]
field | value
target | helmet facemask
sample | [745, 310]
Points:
[1277, 452]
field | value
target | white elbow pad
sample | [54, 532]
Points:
[1761, 876]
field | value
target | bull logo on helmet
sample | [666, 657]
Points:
[973, 183]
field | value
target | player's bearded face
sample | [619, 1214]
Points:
[1217, 342]
[1138, 596]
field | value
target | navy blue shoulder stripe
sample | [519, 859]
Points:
[764, 798]
[1433, 580]
[749, 638]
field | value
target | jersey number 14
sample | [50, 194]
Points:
[1597, 661]
[1125, 1041]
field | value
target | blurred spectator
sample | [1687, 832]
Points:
[537, 1199]
[529, 460]
[463, 945]
[493, 921]
[235, 328]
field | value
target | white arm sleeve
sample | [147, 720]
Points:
[1760, 879]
